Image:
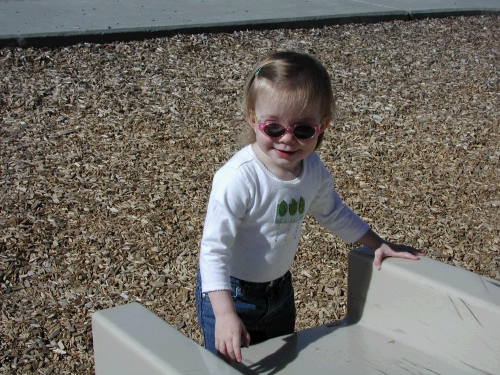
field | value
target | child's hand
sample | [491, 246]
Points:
[384, 249]
[229, 332]
[388, 249]
[229, 329]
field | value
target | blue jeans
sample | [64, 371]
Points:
[267, 310]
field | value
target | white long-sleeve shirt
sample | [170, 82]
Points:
[254, 220]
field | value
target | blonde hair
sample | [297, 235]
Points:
[296, 78]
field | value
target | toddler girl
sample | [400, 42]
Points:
[258, 201]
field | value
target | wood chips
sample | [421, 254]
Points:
[107, 154]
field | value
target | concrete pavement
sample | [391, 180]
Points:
[63, 22]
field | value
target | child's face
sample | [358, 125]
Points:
[283, 156]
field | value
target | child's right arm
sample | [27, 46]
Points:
[229, 330]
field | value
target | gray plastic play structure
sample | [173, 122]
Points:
[411, 317]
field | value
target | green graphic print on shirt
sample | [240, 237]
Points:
[288, 213]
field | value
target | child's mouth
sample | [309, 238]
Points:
[285, 153]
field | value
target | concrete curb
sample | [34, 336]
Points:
[444, 13]
[40, 40]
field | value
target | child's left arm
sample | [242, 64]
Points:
[383, 249]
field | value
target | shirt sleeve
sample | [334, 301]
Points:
[226, 208]
[333, 214]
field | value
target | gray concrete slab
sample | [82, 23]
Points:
[59, 22]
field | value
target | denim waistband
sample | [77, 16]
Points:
[248, 285]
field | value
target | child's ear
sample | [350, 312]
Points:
[251, 118]
[324, 124]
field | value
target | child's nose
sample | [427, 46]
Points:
[288, 136]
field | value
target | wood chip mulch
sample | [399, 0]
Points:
[107, 154]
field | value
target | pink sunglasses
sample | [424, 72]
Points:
[301, 130]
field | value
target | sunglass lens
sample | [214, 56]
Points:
[274, 130]
[304, 131]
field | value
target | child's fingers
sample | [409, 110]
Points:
[236, 353]
[232, 350]
[246, 338]
[396, 251]
[406, 255]
[408, 249]
[377, 261]
[221, 350]
[225, 350]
